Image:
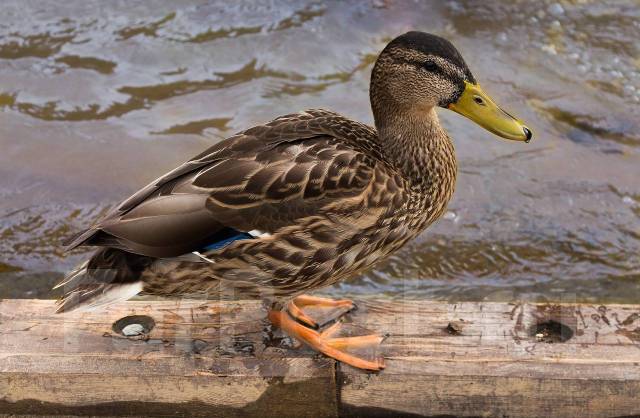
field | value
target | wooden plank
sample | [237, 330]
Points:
[212, 360]
[198, 360]
[496, 366]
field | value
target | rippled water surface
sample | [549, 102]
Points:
[98, 98]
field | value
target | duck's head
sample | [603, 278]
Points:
[418, 71]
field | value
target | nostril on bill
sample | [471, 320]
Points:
[527, 134]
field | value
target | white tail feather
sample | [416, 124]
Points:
[112, 294]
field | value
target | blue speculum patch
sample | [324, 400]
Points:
[225, 237]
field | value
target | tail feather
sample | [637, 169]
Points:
[74, 277]
[97, 295]
[110, 276]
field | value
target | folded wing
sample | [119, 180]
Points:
[265, 179]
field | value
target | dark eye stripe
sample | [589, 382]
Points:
[434, 68]
[453, 78]
[427, 66]
[431, 66]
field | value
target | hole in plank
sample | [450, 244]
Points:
[551, 332]
[134, 325]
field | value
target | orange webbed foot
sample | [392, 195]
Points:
[327, 309]
[325, 342]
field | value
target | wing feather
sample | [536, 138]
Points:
[264, 178]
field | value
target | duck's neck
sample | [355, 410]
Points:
[415, 142]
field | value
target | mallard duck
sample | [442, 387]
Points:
[296, 204]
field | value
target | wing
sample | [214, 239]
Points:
[265, 178]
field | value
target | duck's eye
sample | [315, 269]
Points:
[479, 100]
[430, 66]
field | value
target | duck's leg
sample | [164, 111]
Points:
[324, 343]
[296, 306]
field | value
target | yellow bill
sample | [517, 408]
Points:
[476, 105]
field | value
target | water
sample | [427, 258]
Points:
[97, 99]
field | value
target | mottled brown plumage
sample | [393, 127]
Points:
[318, 197]
[316, 182]
[332, 208]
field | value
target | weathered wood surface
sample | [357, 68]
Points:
[211, 360]
[497, 366]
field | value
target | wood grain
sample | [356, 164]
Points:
[496, 366]
[220, 359]
[198, 360]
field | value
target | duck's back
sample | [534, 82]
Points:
[293, 192]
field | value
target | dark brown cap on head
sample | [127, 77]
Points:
[430, 44]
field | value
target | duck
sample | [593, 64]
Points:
[297, 204]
